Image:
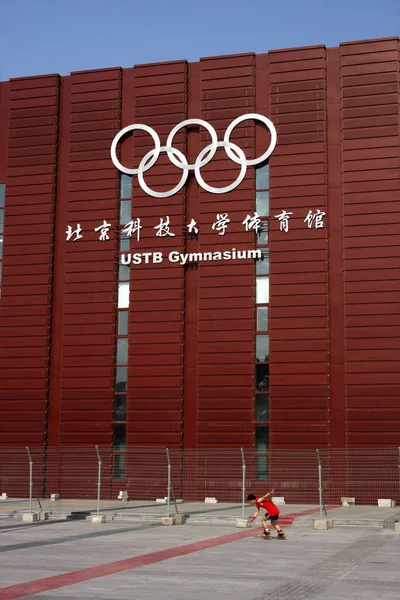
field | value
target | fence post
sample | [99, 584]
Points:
[321, 500]
[243, 480]
[98, 480]
[398, 465]
[169, 482]
[30, 478]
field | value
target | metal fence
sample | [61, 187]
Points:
[302, 477]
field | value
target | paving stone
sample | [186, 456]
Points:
[348, 564]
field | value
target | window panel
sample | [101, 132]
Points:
[124, 244]
[1, 220]
[262, 318]
[262, 204]
[262, 266]
[119, 437]
[122, 351]
[262, 468]
[123, 295]
[124, 272]
[125, 212]
[262, 177]
[262, 235]
[122, 322]
[262, 341]
[262, 348]
[121, 379]
[120, 407]
[1, 247]
[2, 194]
[262, 290]
[119, 466]
[262, 377]
[262, 438]
[126, 186]
[262, 407]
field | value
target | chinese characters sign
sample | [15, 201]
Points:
[313, 220]
[163, 229]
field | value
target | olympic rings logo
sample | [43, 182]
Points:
[235, 153]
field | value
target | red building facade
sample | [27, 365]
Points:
[298, 350]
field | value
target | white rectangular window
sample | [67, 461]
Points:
[262, 290]
[123, 294]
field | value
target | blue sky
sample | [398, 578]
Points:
[60, 36]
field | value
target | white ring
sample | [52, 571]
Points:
[212, 151]
[238, 180]
[267, 153]
[121, 134]
[143, 167]
[206, 155]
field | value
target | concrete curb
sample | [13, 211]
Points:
[213, 519]
[365, 517]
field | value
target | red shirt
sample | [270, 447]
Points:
[269, 506]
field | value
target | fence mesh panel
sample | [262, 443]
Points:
[365, 474]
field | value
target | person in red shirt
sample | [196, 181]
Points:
[271, 515]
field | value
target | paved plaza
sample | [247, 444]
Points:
[142, 560]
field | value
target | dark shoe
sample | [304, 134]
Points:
[266, 536]
[281, 536]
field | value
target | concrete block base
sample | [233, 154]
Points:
[30, 517]
[54, 497]
[323, 524]
[43, 516]
[397, 527]
[347, 501]
[210, 500]
[162, 500]
[243, 523]
[98, 519]
[168, 521]
[123, 495]
[386, 503]
[180, 519]
[279, 500]
[4, 496]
